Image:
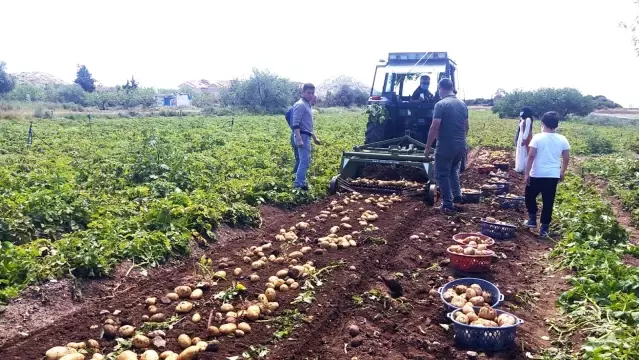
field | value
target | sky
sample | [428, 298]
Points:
[522, 44]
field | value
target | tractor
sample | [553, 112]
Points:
[397, 129]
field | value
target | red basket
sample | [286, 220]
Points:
[458, 239]
[470, 263]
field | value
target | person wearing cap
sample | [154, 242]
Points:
[546, 166]
[450, 128]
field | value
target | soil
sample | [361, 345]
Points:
[413, 326]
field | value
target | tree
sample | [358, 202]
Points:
[84, 79]
[130, 85]
[564, 101]
[263, 92]
[7, 82]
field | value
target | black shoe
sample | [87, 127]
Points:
[458, 200]
[447, 210]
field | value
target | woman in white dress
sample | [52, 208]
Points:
[523, 139]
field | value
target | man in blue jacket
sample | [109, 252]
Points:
[301, 122]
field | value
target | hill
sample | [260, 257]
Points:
[38, 78]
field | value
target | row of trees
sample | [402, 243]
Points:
[566, 101]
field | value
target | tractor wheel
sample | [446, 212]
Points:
[429, 198]
[332, 185]
[374, 132]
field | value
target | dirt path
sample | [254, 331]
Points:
[404, 328]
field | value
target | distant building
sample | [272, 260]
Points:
[205, 86]
[177, 99]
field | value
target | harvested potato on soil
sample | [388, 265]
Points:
[189, 353]
[246, 328]
[271, 295]
[126, 331]
[159, 317]
[196, 294]
[75, 356]
[184, 307]
[77, 345]
[172, 296]
[226, 307]
[213, 331]
[56, 353]
[228, 329]
[253, 312]
[183, 291]
[151, 301]
[196, 318]
[184, 341]
[127, 355]
[93, 344]
[150, 355]
[141, 342]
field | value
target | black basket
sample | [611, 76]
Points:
[468, 198]
[502, 166]
[500, 190]
[506, 185]
[498, 231]
[510, 202]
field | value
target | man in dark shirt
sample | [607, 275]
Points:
[422, 94]
[450, 128]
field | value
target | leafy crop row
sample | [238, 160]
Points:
[603, 302]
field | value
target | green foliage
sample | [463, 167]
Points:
[263, 92]
[84, 79]
[7, 82]
[27, 92]
[346, 96]
[603, 301]
[40, 113]
[564, 101]
[377, 114]
[205, 100]
[602, 102]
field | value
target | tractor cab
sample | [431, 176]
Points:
[393, 85]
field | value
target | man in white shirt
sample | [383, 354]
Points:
[546, 166]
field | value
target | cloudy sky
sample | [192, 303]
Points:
[496, 43]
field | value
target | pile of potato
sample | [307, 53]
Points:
[486, 317]
[462, 295]
[497, 180]
[474, 240]
[490, 187]
[499, 173]
[512, 196]
[470, 191]
[496, 222]
[386, 183]
[480, 250]
[334, 242]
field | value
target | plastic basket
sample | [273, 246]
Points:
[505, 176]
[502, 166]
[500, 190]
[486, 286]
[506, 185]
[469, 198]
[485, 169]
[510, 202]
[458, 239]
[470, 263]
[498, 231]
[485, 338]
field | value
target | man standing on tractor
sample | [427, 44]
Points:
[302, 134]
[450, 127]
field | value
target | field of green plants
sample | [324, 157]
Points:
[87, 195]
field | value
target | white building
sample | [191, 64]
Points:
[177, 99]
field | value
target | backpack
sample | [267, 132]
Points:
[289, 116]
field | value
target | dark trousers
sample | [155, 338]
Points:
[547, 187]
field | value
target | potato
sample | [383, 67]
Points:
[278, 283]
[126, 331]
[56, 353]
[294, 286]
[472, 317]
[127, 355]
[448, 295]
[239, 333]
[226, 307]
[110, 331]
[222, 274]
[283, 288]
[477, 301]
[93, 344]
[77, 345]
[202, 345]
[152, 309]
[256, 265]
[506, 320]
[253, 312]
[280, 274]
[272, 306]
[231, 320]
[98, 356]
[141, 342]
[482, 247]
[183, 307]
[166, 354]
[246, 328]
[467, 309]
[189, 353]
[232, 314]
[196, 318]
[458, 301]
[296, 255]
[461, 289]
[306, 249]
[271, 295]
[487, 313]
[477, 288]
[196, 294]
[159, 317]
[184, 341]
[477, 323]
[254, 278]
[172, 296]
[461, 318]
[469, 251]
[195, 340]
[487, 297]
[75, 356]
[228, 329]
[213, 331]
[150, 355]
[183, 291]
[151, 301]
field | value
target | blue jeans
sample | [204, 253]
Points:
[296, 154]
[304, 160]
[448, 159]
